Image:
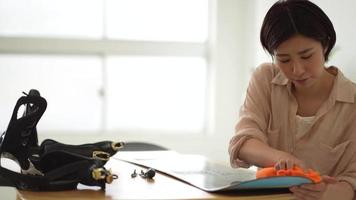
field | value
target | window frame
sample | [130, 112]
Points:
[104, 47]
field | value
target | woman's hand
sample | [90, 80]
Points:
[314, 191]
[258, 153]
[288, 161]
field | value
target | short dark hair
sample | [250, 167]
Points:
[287, 18]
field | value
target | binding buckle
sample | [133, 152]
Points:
[101, 155]
[103, 174]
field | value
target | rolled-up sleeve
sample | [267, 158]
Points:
[346, 168]
[350, 178]
[253, 115]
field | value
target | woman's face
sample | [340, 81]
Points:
[301, 59]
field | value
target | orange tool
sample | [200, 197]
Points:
[295, 171]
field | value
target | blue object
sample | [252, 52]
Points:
[272, 182]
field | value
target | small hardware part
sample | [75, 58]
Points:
[134, 174]
[150, 173]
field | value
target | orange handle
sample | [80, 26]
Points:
[295, 171]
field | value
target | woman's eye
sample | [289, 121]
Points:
[284, 61]
[306, 57]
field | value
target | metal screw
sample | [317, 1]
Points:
[134, 174]
[150, 173]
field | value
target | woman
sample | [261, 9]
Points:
[297, 111]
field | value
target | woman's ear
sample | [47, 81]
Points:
[325, 49]
[326, 46]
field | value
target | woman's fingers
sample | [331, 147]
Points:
[329, 179]
[307, 192]
[289, 164]
[281, 164]
[319, 187]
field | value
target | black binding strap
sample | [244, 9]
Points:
[51, 165]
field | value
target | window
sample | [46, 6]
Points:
[70, 85]
[107, 65]
[51, 18]
[158, 20]
[156, 93]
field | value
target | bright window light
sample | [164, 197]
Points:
[156, 93]
[60, 18]
[126, 87]
[70, 84]
[158, 20]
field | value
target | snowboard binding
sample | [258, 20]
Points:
[50, 166]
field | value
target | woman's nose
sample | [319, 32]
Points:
[298, 68]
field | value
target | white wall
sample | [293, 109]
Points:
[342, 14]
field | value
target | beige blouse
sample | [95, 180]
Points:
[269, 114]
[303, 125]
